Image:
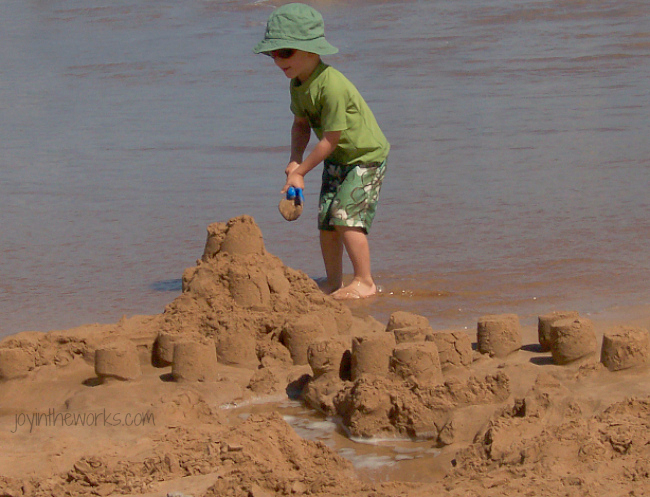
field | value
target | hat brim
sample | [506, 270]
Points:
[319, 46]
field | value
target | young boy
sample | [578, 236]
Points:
[351, 144]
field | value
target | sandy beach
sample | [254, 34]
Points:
[144, 406]
[507, 355]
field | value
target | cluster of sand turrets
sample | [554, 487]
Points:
[392, 381]
[410, 380]
[569, 337]
[241, 306]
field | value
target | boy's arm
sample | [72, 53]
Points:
[300, 134]
[297, 170]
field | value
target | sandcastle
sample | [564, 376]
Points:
[544, 323]
[398, 374]
[247, 304]
[391, 381]
[117, 361]
[242, 307]
[625, 347]
[249, 325]
[454, 349]
[371, 354]
[298, 335]
[418, 362]
[572, 339]
[329, 355]
[15, 363]
[498, 334]
[194, 361]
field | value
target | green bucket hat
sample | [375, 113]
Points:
[295, 25]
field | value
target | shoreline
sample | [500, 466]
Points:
[172, 428]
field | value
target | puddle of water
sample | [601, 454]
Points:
[375, 459]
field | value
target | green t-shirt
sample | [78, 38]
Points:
[331, 103]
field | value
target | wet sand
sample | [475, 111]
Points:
[144, 406]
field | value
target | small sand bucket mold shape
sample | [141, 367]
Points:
[291, 206]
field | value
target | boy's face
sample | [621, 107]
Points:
[295, 63]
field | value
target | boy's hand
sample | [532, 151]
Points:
[293, 179]
[296, 180]
[291, 167]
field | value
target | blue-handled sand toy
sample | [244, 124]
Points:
[291, 206]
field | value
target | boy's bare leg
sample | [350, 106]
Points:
[331, 245]
[356, 245]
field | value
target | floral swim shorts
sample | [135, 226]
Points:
[349, 195]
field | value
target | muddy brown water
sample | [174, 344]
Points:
[517, 179]
[377, 459]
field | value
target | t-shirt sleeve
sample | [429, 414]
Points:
[296, 109]
[334, 101]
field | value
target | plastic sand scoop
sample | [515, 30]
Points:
[291, 206]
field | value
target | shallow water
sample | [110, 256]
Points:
[374, 459]
[517, 179]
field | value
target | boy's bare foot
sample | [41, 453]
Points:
[355, 290]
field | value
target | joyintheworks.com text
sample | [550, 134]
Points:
[54, 419]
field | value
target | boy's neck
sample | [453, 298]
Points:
[312, 63]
